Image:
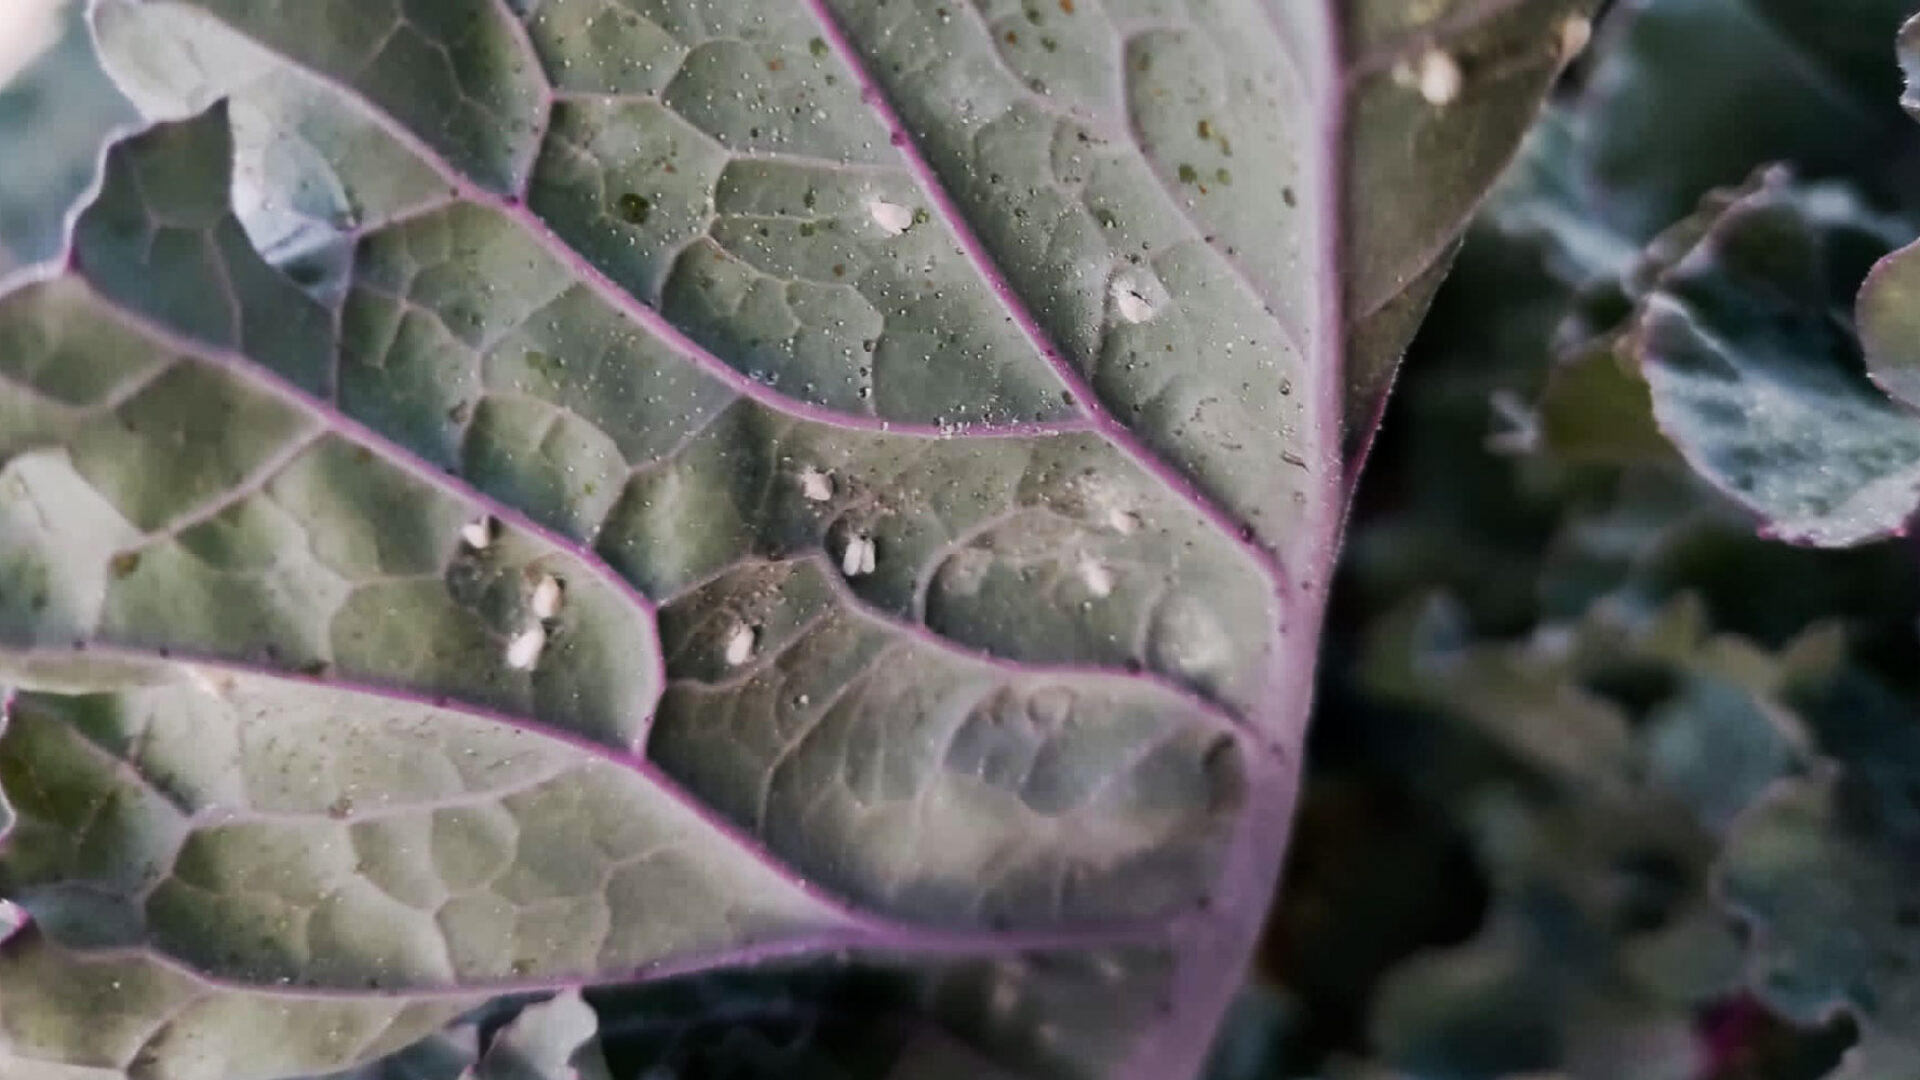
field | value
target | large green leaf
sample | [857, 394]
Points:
[504, 497]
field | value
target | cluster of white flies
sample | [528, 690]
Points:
[544, 600]
[857, 558]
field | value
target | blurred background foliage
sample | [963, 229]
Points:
[56, 110]
[1605, 783]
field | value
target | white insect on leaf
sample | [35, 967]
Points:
[816, 484]
[1436, 75]
[209, 681]
[548, 594]
[892, 218]
[477, 534]
[860, 556]
[739, 647]
[1097, 577]
[1132, 306]
[1575, 34]
[1137, 297]
[523, 652]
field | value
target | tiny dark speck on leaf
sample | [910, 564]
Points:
[818, 47]
[1287, 196]
[1188, 174]
[125, 563]
[541, 363]
[634, 208]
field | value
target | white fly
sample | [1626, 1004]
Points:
[477, 534]
[816, 485]
[860, 557]
[892, 218]
[740, 645]
[1575, 34]
[547, 597]
[1097, 577]
[523, 652]
[1437, 76]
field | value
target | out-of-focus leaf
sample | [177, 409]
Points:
[1599, 761]
[1559, 702]
[1662, 120]
[1635, 739]
[55, 116]
[1825, 869]
[1758, 383]
[1597, 407]
[556, 1039]
[1253, 1039]
[1502, 1006]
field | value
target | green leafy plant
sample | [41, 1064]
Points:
[810, 520]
